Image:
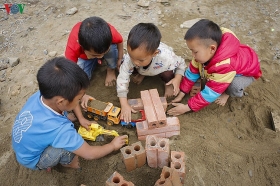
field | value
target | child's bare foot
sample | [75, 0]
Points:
[222, 99]
[75, 164]
[168, 91]
[138, 78]
[110, 77]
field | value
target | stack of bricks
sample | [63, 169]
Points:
[178, 163]
[168, 177]
[157, 151]
[156, 121]
[117, 180]
[137, 104]
[134, 156]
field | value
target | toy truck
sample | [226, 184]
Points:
[134, 119]
[95, 131]
[99, 110]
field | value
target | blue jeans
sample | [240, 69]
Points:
[52, 156]
[89, 65]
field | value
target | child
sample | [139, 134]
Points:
[218, 57]
[42, 136]
[91, 40]
[149, 57]
[88, 42]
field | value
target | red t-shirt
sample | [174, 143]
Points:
[74, 50]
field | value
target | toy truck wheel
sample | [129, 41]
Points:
[110, 122]
[90, 115]
[96, 118]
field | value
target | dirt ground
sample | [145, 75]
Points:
[230, 145]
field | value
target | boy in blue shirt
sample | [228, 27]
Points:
[42, 135]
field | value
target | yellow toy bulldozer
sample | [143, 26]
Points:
[95, 131]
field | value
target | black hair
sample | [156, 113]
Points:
[205, 29]
[61, 77]
[144, 34]
[95, 34]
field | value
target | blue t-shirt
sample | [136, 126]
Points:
[36, 127]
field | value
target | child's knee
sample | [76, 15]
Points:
[167, 76]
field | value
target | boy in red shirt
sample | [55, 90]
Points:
[89, 42]
[92, 40]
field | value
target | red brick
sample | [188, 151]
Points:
[172, 133]
[149, 109]
[178, 162]
[179, 166]
[160, 113]
[173, 124]
[163, 182]
[177, 156]
[140, 154]
[151, 150]
[143, 138]
[137, 104]
[128, 158]
[117, 180]
[168, 176]
[163, 152]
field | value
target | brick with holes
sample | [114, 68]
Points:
[178, 163]
[128, 158]
[168, 177]
[139, 153]
[117, 180]
[157, 151]
[150, 112]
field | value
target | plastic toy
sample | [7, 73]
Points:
[95, 131]
[134, 121]
[99, 110]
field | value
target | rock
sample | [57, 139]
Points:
[71, 11]
[16, 90]
[59, 15]
[162, 1]
[143, 3]
[52, 53]
[14, 61]
[2, 75]
[45, 51]
[3, 65]
[189, 23]
[250, 173]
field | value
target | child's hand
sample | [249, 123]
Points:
[178, 109]
[176, 84]
[119, 141]
[85, 123]
[178, 98]
[126, 113]
[85, 100]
